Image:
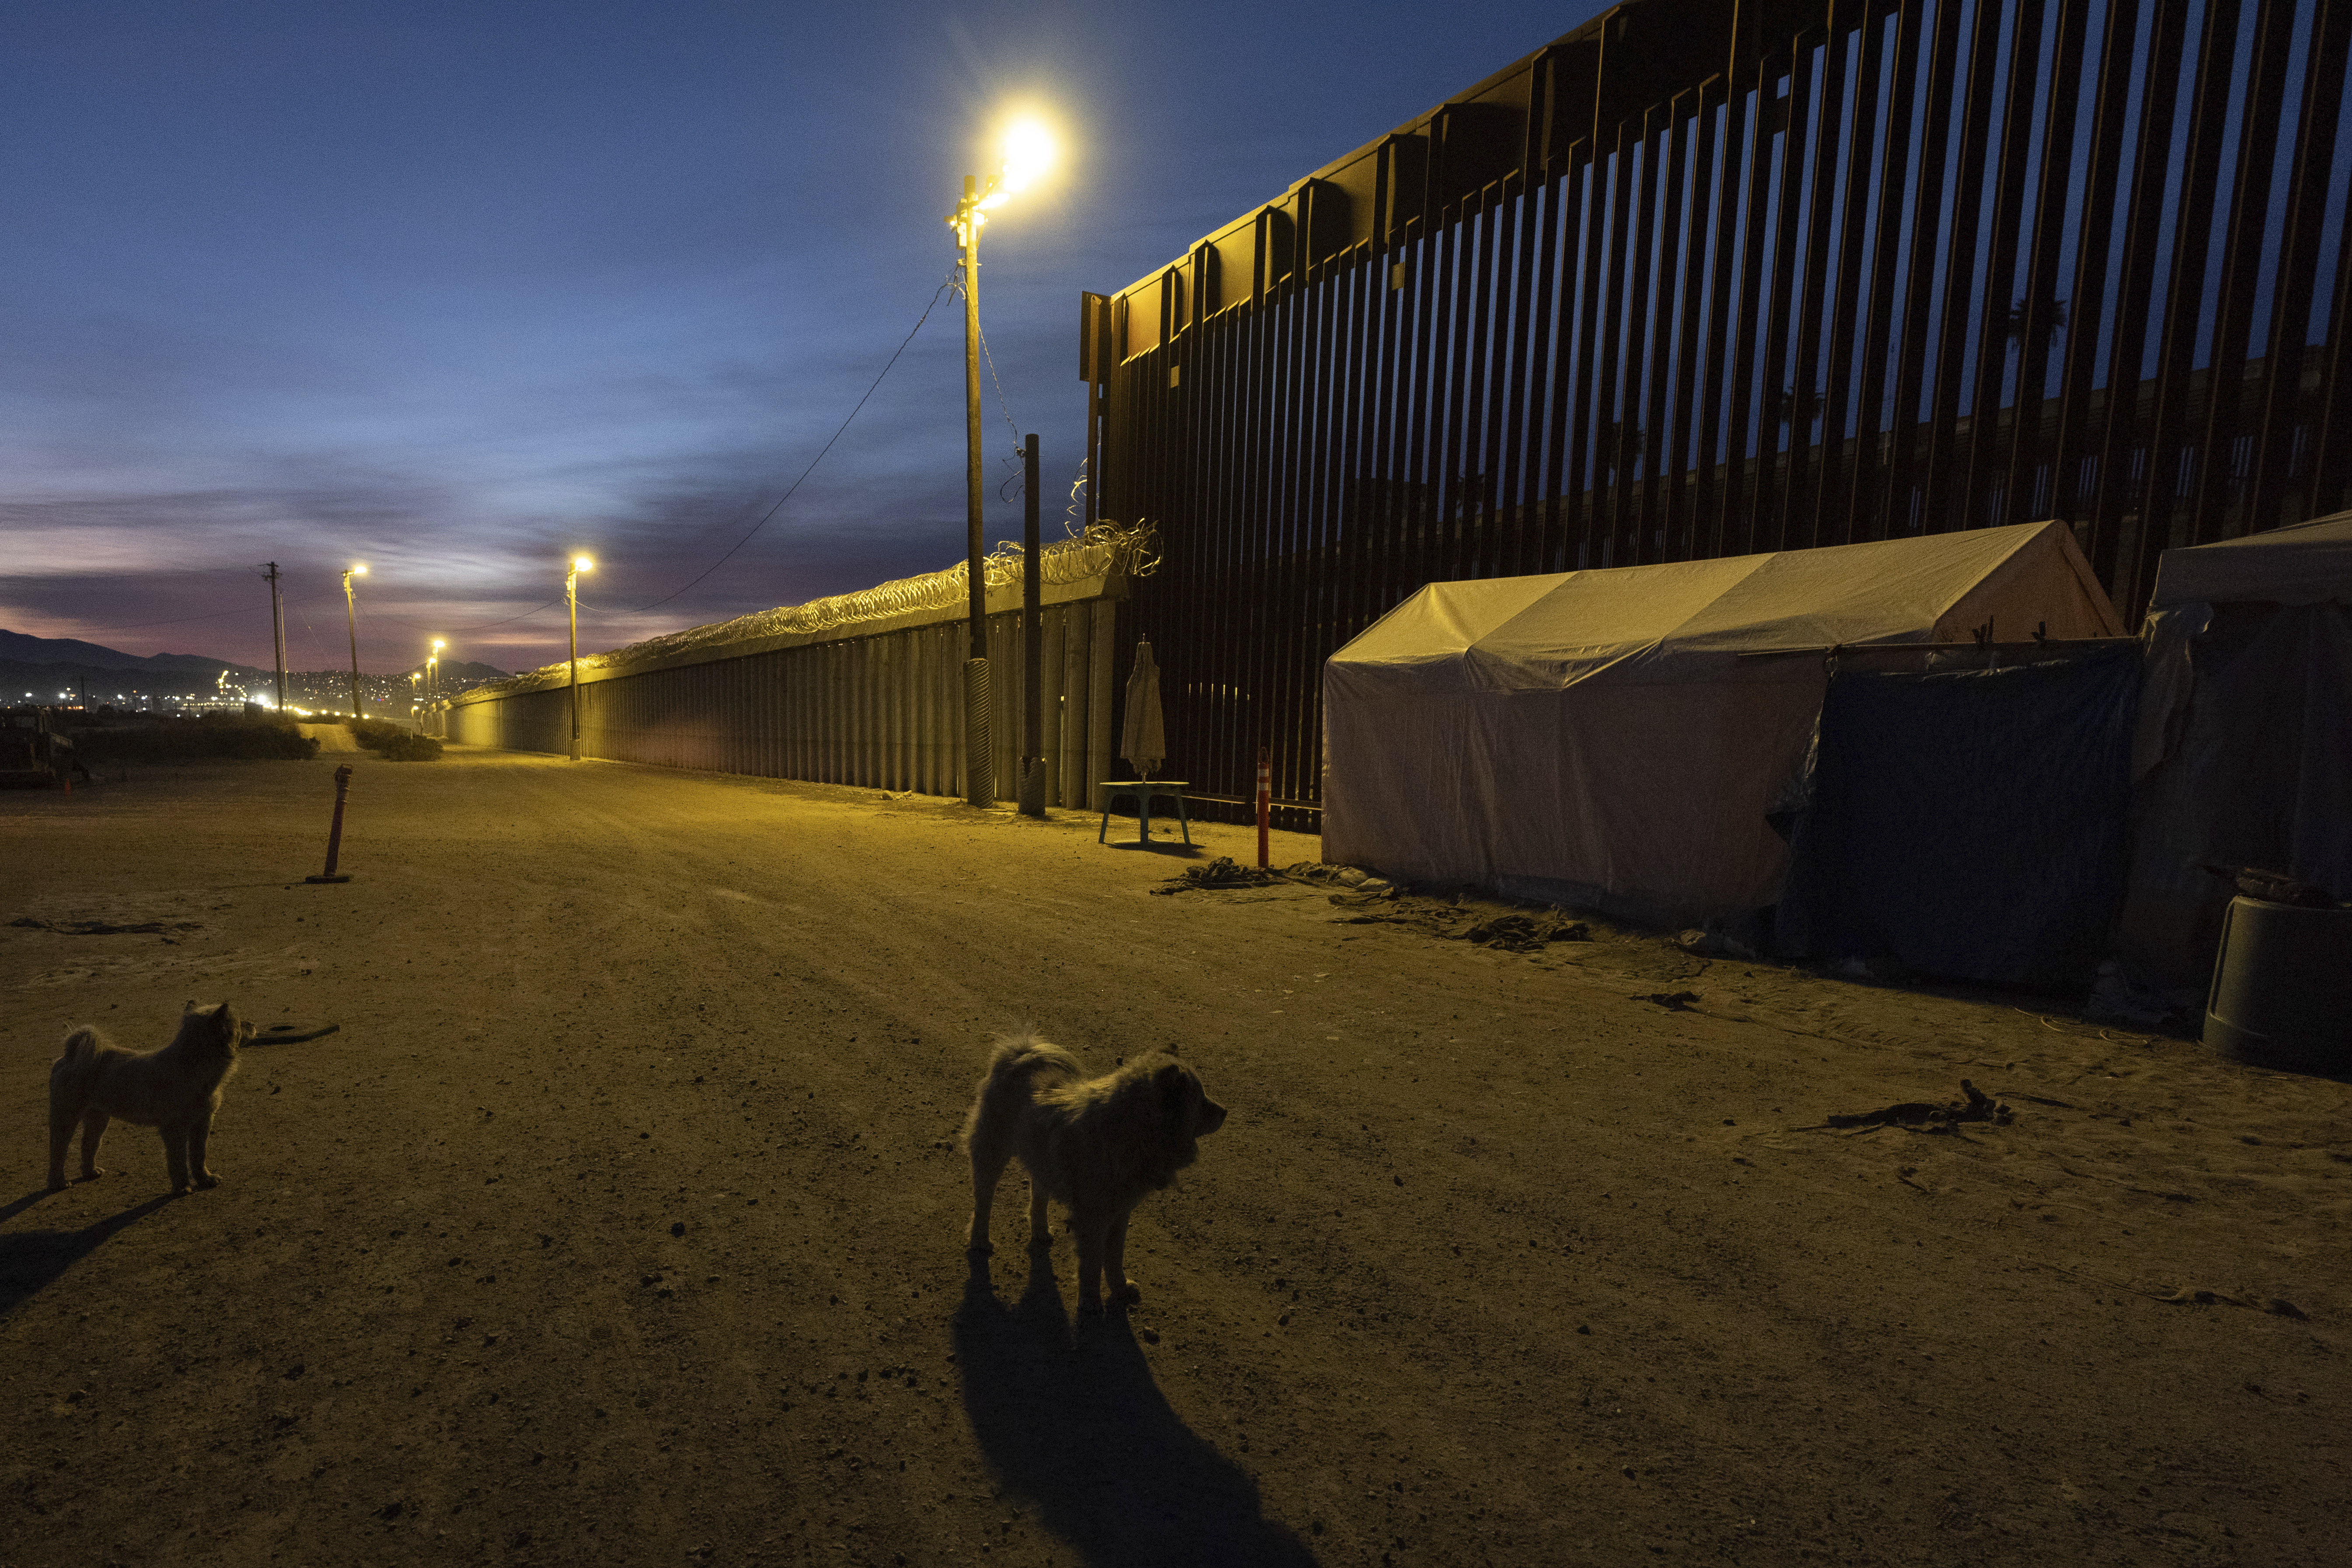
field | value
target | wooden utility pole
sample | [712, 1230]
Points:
[278, 631]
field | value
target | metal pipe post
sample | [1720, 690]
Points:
[335, 833]
[1265, 803]
[1033, 644]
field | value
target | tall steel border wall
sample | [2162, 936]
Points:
[1704, 278]
[880, 706]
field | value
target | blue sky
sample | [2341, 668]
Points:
[457, 290]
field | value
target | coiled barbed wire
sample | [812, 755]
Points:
[1102, 549]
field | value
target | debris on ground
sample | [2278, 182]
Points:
[1352, 879]
[102, 927]
[293, 1034]
[1673, 1001]
[1362, 887]
[1463, 923]
[1224, 871]
[1922, 1116]
[2190, 1296]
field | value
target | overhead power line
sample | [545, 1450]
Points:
[796, 484]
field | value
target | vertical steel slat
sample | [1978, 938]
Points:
[1457, 242]
[2242, 256]
[1866, 505]
[1796, 519]
[1905, 430]
[1252, 698]
[1831, 482]
[1725, 429]
[1629, 326]
[2283, 361]
[1251, 676]
[1542, 230]
[2117, 523]
[1983, 459]
[1564, 465]
[1227, 531]
[1960, 275]
[1670, 291]
[1458, 313]
[2331, 445]
[2039, 320]
[1511, 491]
[1594, 251]
[1375, 522]
[2184, 295]
[1609, 326]
[1428, 279]
[1768, 519]
[1368, 286]
[1490, 368]
[1698, 279]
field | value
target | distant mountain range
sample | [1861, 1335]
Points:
[46, 665]
[16, 647]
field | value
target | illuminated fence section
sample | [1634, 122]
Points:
[1703, 279]
[877, 703]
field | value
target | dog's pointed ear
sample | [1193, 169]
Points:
[1171, 1079]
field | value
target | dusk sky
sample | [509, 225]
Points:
[459, 289]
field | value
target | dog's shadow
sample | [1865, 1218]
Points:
[31, 1260]
[1072, 1418]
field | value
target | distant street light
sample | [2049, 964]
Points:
[352, 616]
[1028, 153]
[572, 608]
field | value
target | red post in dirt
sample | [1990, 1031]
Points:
[1265, 803]
[335, 833]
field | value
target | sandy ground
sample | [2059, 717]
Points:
[619, 1222]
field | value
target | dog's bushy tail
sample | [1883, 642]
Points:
[1014, 1073]
[83, 1044]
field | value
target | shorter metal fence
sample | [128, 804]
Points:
[881, 708]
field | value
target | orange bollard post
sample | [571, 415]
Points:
[335, 833]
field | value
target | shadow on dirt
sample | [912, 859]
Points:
[1072, 1419]
[33, 1260]
[1171, 846]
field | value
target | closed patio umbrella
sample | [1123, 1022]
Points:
[1143, 740]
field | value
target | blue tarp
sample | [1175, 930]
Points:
[1970, 825]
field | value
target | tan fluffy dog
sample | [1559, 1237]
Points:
[1093, 1145]
[175, 1090]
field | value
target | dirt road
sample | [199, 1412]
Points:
[619, 1222]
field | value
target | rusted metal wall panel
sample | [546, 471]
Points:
[1704, 278]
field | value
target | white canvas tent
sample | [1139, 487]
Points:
[1596, 738]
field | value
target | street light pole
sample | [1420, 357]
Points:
[979, 739]
[352, 617]
[433, 671]
[1028, 150]
[572, 608]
